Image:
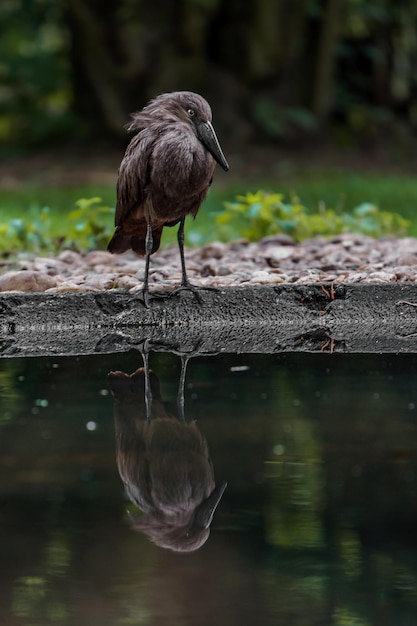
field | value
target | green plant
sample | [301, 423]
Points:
[259, 214]
[252, 216]
[89, 225]
[33, 234]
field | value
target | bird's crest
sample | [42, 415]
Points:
[170, 108]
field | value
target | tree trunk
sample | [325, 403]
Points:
[324, 82]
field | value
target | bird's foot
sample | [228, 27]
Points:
[186, 286]
[162, 295]
[195, 290]
[145, 298]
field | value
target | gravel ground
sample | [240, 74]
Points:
[347, 258]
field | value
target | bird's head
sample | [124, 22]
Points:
[198, 531]
[187, 107]
[186, 533]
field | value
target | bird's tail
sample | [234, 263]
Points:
[124, 385]
[122, 241]
[129, 393]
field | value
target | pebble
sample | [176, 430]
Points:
[346, 258]
[101, 281]
[263, 278]
[27, 280]
[71, 257]
[274, 255]
[215, 250]
[126, 282]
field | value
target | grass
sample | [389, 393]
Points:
[20, 201]
[343, 192]
[337, 190]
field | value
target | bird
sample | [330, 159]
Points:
[164, 175]
[165, 465]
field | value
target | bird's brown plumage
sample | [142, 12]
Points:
[166, 170]
[164, 464]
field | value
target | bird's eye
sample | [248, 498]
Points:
[190, 112]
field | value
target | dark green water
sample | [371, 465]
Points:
[317, 526]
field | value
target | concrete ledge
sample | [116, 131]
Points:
[265, 319]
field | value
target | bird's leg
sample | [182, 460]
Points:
[148, 251]
[180, 235]
[185, 283]
[181, 387]
[148, 391]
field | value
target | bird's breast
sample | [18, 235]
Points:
[182, 167]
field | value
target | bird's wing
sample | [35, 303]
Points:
[134, 176]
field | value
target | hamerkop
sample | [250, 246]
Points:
[165, 174]
[165, 465]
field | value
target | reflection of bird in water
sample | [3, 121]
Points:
[165, 174]
[165, 466]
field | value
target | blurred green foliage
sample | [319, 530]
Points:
[35, 91]
[257, 215]
[88, 227]
[251, 216]
[71, 69]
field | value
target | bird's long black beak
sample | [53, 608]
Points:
[208, 137]
[205, 511]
